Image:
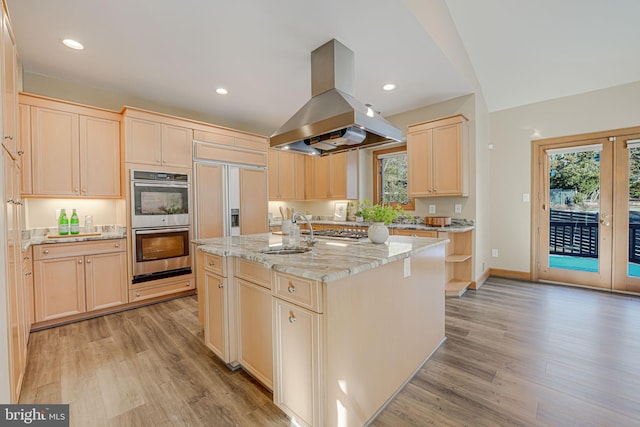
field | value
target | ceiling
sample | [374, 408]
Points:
[178, 53]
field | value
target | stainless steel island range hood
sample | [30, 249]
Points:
[333, 120]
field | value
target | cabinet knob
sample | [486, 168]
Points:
[212, 263]
[75, 189]
[84, 190]
[220, 285]
[89, 261]
[117, 245]
[79, 261]
[26, 257]
[292, 318]
[20, 152]
[10, 137]
[137, 294]
[291, 288]
[46, 251]
[186, 285]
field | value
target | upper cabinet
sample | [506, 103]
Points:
[155, 139]
[9, 92]
[286, 175]
[332, 177]
[75, 150]
[438, 158]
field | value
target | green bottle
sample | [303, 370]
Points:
[74, 223]
[63, 223]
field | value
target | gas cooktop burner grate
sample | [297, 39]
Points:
[340, 234]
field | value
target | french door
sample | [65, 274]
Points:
[586, 213]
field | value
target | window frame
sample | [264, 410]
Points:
[377, 176]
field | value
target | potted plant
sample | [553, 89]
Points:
[379, 216]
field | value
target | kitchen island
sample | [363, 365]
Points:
[350, 322]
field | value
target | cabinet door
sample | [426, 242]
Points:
[297, 353]
[9, 95]
[419, 163]
[59, 288]
[254, 330]
[176, 146]
[338, 176]
[274, 174]
[209, 196]
[286, 175]
[317, 174]
[447, 160]
[299, 177]
[55, 143]
[27, 277]
[254, 210]
[143, 141]
[26, 186]
[105, 280]
[99, 157]
[214, 319]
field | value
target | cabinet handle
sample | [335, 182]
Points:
[117, 245]
[10, 137]
[89, 261]
[220, 285]
[46, 251]
[26, 257]
[28, 273]
[291, 288]
[212, 263]
[20, 152]
[137, 294]
[292, 318]
[79, 261]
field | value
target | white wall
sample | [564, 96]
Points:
[42, 212]
[511, 133]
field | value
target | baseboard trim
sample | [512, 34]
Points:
[510, 274]
[480, 281]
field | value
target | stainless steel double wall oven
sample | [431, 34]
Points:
[160, 225]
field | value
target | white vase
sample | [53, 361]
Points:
[378, 232]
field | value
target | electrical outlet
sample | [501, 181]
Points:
[432, 209]
[526, 197]
[458, 208]
[494, 253]
[57, 215]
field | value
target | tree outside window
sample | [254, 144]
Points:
[390, 185]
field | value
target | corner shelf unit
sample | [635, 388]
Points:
[458, 262]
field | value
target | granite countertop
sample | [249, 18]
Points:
[40, 239]
[329, 260]
[454, 228]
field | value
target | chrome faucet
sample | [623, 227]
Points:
[311, 241]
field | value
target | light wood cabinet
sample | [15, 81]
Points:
[332, 177]
[286, 175]
[254, 203]
[27, 277]
[73, 278]
[437, 153]
[297, 326]
[414, 233]
[255, 345]
[74, 152]
[9, 92]
[157, 140]
[214, 329]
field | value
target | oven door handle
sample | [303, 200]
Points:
[161, 230]
[163, 185]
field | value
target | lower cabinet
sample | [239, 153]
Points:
[214, 330]
[297, 350]
[73, 278]
[255, 344]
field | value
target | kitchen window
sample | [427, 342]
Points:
[390, 181]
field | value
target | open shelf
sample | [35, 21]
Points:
[457, 258]
[455, 288]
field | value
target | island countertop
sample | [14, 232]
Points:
[329, 260]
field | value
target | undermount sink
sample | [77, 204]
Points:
[285, 250]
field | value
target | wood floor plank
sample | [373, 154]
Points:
[516, 354]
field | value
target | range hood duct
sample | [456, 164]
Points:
[333, 120]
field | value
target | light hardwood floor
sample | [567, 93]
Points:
[517, 354]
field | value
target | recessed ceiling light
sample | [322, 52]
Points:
[70, 43]
[389, 86]
[222, 91]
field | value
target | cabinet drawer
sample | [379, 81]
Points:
[214, 264]
[58, 250]
[416, 233]
[253, 272]
[304, 292]
[157, 291]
